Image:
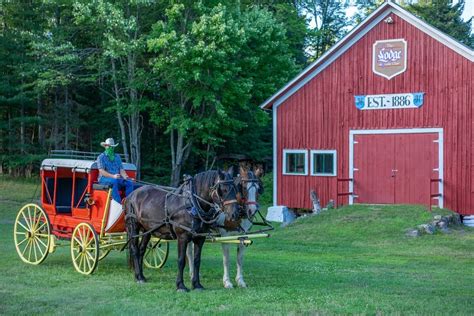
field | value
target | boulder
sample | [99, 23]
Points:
[442, 224]
[412, 232]
[437, 217]
[426, 229]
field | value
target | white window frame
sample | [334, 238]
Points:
[325, 151]
[295, 151]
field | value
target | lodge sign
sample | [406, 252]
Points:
[389, 101]
[389, 57]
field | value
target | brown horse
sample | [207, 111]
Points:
[170, 215]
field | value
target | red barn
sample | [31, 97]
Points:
[384, 117]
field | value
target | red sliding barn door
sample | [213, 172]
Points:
[395, 168]
[373, 164]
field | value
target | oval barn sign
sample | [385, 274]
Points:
[389, 57]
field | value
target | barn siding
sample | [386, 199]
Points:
[321, 113]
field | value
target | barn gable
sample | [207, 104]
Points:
[323, 134]
[355, 35]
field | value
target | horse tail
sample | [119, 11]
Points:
[131, 228]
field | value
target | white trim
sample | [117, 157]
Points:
[295, 151]
[405, 54]
[400, 131]
[334, 161]
[335, 47]
[275, 157]
[393, 8]
[330, 60]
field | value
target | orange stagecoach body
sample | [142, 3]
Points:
[70, 194]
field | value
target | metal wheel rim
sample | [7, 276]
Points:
[32, 234]
[84, 248]
[155, 257]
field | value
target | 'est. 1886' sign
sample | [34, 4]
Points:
[389, 101]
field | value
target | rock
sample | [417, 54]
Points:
[437, 217]
[456, 220]
[330, 205]
[426, 229]
[442, 224]
[446, 230]
[412, 232]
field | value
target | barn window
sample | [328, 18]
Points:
[295, 161]
[323, 163]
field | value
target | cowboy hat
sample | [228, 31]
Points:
[109, 142]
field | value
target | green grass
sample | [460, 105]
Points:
[351, 260]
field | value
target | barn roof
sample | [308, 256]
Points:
[352, 37]
[77, 164]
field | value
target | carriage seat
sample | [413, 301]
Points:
[99, 186]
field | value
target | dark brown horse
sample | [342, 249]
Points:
[150, 210]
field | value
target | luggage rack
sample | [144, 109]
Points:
[76, 154]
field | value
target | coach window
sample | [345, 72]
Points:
[295, 162]
[323, 163]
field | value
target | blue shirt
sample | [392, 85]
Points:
[112, 167]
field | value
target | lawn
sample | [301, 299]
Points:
[351, 260]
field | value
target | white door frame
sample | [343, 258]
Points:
[440, 168]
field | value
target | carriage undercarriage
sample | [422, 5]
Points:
[35, 239]
[77, 211]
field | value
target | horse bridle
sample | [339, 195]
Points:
[245, 195]
[215, 192]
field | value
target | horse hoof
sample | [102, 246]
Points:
[242, 284]
[182, 290]
[228, 285]
[143, 281]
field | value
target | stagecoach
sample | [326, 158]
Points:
[75, 208]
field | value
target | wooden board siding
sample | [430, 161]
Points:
[321, 113]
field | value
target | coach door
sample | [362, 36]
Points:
[395, 168]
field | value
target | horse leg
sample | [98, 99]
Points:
[182, 245]
[239, 278]
[132, 231]
[198, 243]
[189, 256]
[141, 254]
[225, 259]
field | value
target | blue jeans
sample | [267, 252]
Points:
[118, 184]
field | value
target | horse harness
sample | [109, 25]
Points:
[209, 217]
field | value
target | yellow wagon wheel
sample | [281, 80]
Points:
[84, 248]
[32, 234]
[156, 254]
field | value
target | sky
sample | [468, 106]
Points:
[467, 14]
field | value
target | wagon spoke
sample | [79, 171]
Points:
[75, 258]
[42, 225]
[18, 244]
[42, 242]
[89, 255]
[29, 217]
[76, 240]
[34, 249]
[26, 222]
[42, 235]
[24, 227]
[36, 220]
[29, 251]
[89, 263]
[26, 247]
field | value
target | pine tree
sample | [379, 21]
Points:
[447, 17]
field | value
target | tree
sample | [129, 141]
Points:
[447, 17]
[328, 24]
[120, 61]
[205, 56]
